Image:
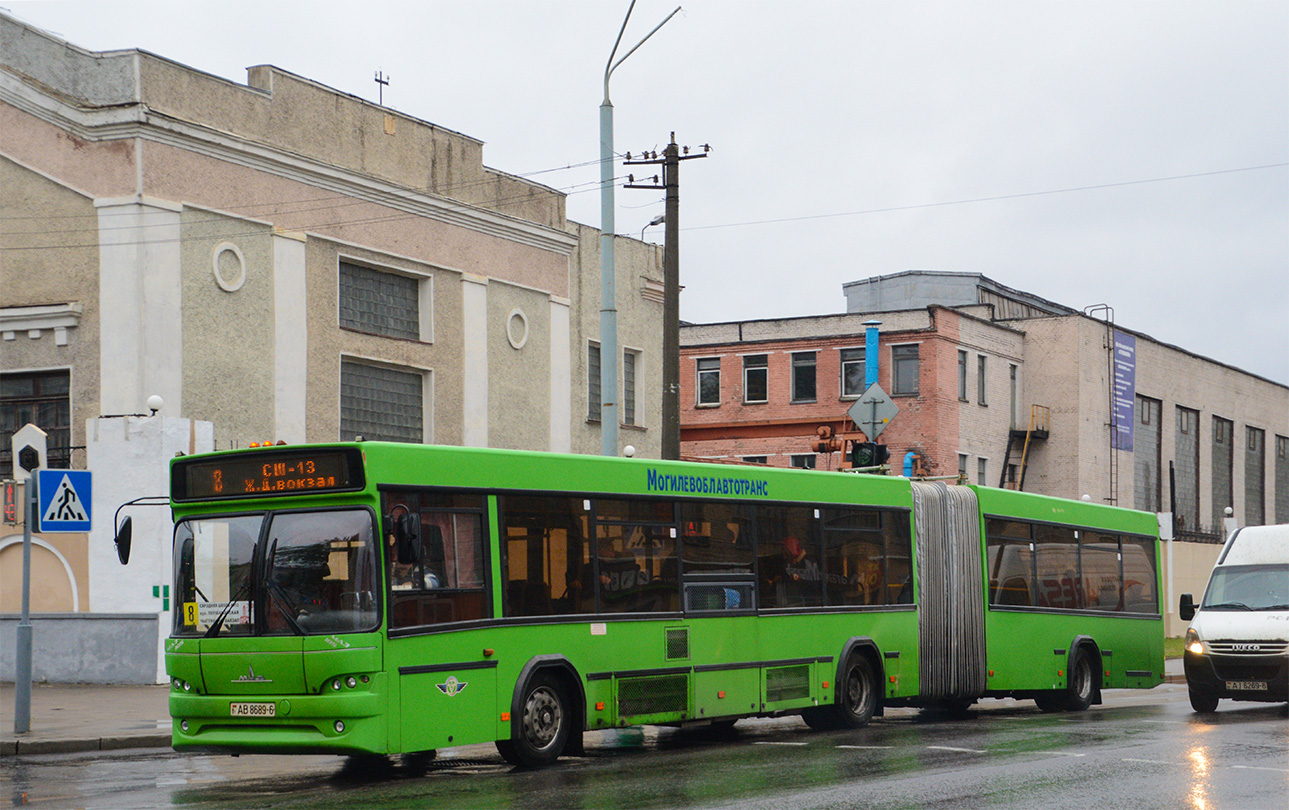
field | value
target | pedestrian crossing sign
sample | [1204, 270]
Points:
[66, 500]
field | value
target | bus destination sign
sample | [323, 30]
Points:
[269, 472]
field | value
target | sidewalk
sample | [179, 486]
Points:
[67, 718]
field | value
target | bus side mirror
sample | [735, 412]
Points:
[122, 540]
[407, 538]
[1187, 607]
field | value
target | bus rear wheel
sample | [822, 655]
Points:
[544, 726]
[1079, 690]
[856, 698]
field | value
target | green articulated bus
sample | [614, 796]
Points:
[381, 598]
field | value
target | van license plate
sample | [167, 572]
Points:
[1246, 686]
[252, 709]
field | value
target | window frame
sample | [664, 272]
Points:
[699, 374]
[427, 395]
[751, 366]
[800, 361]
[901, 359]
[857, 356]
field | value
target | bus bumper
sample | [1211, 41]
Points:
[302, 724]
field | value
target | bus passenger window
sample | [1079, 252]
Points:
[547, 567]
[448, 583]
[788, 557]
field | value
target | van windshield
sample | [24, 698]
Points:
[1248, 587]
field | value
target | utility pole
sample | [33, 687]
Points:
[671, 287]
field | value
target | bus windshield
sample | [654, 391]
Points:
[1248, 587]
[286, 573]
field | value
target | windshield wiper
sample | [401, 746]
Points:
[223, 614]
[1228, 606]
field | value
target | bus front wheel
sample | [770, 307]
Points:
[856, 698]
[543, 727]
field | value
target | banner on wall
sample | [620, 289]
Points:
[1125, 391]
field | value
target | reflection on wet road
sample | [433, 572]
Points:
[1139, 750]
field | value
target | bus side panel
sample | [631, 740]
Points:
[1131, 648]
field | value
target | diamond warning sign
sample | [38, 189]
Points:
[65, 500]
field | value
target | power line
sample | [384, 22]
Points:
[1016, 196]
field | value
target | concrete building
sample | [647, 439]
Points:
[287, 262]
[975, 367]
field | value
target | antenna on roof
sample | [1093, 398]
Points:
[382, 80]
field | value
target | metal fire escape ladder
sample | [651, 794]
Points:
[1040, 418]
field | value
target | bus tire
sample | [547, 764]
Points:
[543, 728]
[1203, 702]
[857, 693]
[1081, 686]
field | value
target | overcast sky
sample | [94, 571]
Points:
[1134, 154]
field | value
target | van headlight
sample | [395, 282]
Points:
[1194, 644]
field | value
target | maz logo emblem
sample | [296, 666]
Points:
[251, 677]
[452, 687]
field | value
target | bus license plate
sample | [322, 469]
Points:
[252, 709]
[1246, 686]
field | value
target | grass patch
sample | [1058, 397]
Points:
[1174, 646]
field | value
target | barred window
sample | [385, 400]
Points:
[379, 303]
[381, 403]
[593, 382]
[42, 398]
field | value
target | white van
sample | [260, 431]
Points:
[1237, 646]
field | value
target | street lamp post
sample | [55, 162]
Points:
[608, 277]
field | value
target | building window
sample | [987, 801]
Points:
[982, 472]
[629, 387]
[962, 466]
[592, 382]
[756, 378]
[42, 398]
[1013, 381]
[904, 370]
[379, 303]
[1222, 491]
[804, 462]
[980, 380]
[1282, 479]
[962, 375]
[381, 403]
[852, 372]
[756, 459]
[709, 381]
[803, 376]
[1255, 472]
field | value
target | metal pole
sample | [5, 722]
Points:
[608, 228]
[608, 285]
[22, 659]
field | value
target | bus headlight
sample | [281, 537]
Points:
[1194, 644]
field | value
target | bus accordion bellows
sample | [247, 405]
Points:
[382, 598]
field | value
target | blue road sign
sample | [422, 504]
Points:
[66, 500]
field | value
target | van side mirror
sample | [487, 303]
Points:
[1187, 607]
[122, 540]
[407, 538]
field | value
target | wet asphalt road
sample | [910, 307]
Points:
[1139, 750]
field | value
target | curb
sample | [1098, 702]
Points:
[12, 746]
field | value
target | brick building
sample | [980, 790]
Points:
[976, 367]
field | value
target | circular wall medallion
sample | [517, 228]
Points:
[517, 328]
[230, 267]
